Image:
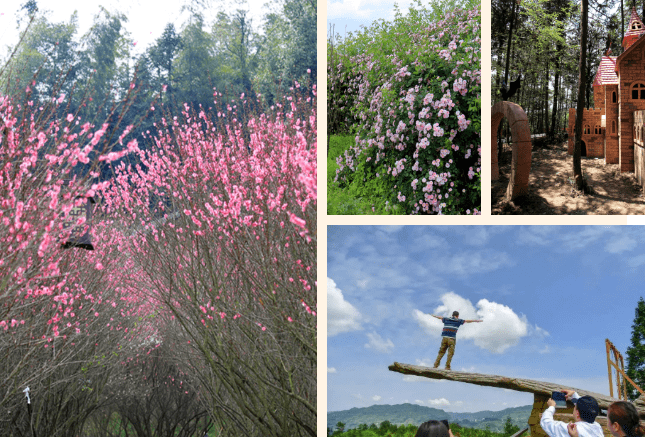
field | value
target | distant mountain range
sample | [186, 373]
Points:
[405, 414]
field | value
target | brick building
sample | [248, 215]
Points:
[608, 129]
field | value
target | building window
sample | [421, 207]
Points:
[597, 129]
[586, 129]
[614, 127]
[614, 97]
[637, 91]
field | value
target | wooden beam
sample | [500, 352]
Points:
[627, 378]
[521, 432]
[518, 384]
[609, 367]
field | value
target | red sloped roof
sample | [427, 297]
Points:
[634, 31]
[635, 25]
[606, 72]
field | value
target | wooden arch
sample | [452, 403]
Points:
[521, 161]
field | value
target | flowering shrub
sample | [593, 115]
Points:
[417, 99]
[224, 228]
[205, 243]
[66, 315]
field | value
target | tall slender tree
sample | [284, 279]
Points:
[578, 126]
[635, 352]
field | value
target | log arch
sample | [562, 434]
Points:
[521, 161]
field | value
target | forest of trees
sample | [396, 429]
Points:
[539, 40]
[232, 55]
[388, 429]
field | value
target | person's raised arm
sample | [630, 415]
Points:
[437, 317]
[472, 321]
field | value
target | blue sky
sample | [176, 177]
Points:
[549, 297]
[349, 15]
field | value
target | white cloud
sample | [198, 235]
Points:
[617, 239]
[622, 243]
[331, 370]
[379, 344]
[635, 261]
[341, 315]
[501, 328]
[540, 332]
[390, 229]
[471, 369]
[439, 402]
[363, 283]
[376, 398]
[417, 401]
[546, 350]
[537, 235]
[474, 262]
[346, 8]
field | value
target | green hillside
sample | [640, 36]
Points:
[405, 414]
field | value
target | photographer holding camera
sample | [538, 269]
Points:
[586, 410]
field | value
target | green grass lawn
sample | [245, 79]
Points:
[358, 198]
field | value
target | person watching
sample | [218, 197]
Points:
[586, 410]
[623, 421]
[433, 428]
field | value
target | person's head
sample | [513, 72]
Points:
[456, 314]
[586, 409]
[432, 428]
[623, 416]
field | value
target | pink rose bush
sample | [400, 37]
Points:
[415, 98]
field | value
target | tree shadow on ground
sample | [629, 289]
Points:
[551, 187]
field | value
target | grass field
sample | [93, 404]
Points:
[359, 197]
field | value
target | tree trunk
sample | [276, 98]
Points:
[546, 102]
[576, 156]
[517, 384]
[557, 75]
[555, 105]
[511, 29]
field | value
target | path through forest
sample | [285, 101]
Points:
[551, 190]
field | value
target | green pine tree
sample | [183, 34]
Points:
[635, 352]
[510, 428]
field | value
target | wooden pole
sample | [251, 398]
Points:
[624, 380]
[609, 367]
[627, 378]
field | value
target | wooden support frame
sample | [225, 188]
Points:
[621, 382]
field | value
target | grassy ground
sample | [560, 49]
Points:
[359, 197]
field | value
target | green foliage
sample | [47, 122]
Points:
[635, 353]
[363, 194]
[385, 428]
[411, 91]
[95, 71]
[416, 414]
[510, 428]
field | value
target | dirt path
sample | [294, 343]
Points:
[551, 190]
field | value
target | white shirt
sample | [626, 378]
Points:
[559, 429]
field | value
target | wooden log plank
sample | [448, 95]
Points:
[521, 432]
[517, 384]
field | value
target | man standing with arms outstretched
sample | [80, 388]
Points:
[451, 325]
